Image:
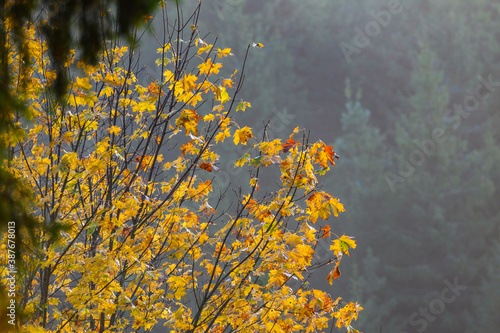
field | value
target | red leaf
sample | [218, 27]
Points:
[334, 274]
[154, 89]
[289, 144]
[206, 166]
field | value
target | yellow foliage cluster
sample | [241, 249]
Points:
[145, 239]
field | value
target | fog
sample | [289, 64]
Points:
[408, 94]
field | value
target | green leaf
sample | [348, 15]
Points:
[256, 161]
[91, 229]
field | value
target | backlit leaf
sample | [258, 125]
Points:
[342, 245]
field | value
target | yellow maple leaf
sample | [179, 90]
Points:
[209, 68]
[222, 135]
[206, 48]
[227, 83]
[114, 130]
[271, 148]
[188, 82]
[342, 245]
[221, 94]
[223, 53]
[189, 120]
[336, 206]
[244, 159]
[209, 117]
[195, 98]
[242, 135]
[83, 83]
[113, 80]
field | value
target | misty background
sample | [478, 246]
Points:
[408, 92]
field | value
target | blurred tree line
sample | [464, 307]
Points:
[414, 105]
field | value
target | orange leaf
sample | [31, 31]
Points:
[227, 83]
[146, 160]
[154, 89]
[126, 231]
[326, 231]
[188, 148]
[206, 166]
[323, 154]
[334, 274]
[330, 153]
[319, 206]
[289, 144]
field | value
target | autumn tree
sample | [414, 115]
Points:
[64, 25]
[126, 165]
